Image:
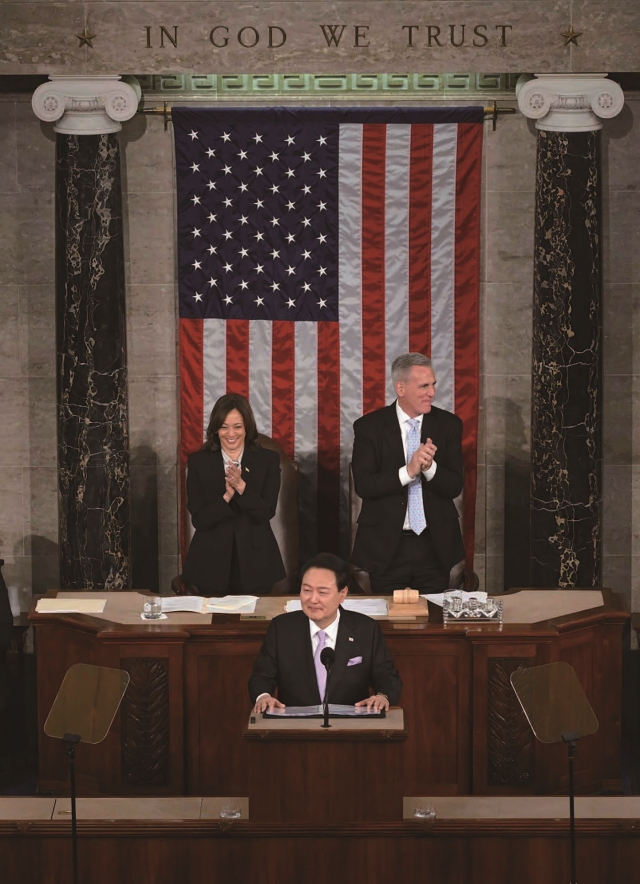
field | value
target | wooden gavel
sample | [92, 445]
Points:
[406, 596]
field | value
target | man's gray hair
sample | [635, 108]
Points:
[402, 365]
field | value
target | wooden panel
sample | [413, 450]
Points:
[144, 717]
[504, 751]
[150, 725]
[324, 781]
[607, 683]
[57, 648]
[435, 673]
[510, 741]
[99, 768]
[597, 759]
[218, 701]
[219, 853]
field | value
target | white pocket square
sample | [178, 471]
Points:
[354, 661]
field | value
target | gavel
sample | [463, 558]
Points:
[406, 596]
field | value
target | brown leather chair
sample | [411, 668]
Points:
[459, 578]
[285, 525]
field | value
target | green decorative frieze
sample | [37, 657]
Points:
[345, 85]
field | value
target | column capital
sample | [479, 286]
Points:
[85, 105]
[569, 102]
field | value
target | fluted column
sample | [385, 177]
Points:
[93, 442]
[566, 420]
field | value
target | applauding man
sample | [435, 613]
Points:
[407, 468]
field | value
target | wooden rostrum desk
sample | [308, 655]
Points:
[300, 772]
[180, 728]
[168, 840]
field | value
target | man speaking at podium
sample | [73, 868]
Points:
[362, 673]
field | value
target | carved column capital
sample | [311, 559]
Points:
[569, 102]
[85, 105]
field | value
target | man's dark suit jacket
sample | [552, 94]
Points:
[286, 662]
[378, 454]
[244, 519]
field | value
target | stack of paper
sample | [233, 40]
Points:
[194, 604]
[293, 605]
[70, 606]
[232, 604]
[372, 607]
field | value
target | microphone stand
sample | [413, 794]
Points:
[570, 740]
[70, 742]
[325, 703]
[327, 657]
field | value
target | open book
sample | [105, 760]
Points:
[197, 604]
[336, 710]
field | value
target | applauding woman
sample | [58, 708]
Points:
[232, 492]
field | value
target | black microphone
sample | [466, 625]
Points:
[327, 658]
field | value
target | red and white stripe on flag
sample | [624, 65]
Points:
[409, 218]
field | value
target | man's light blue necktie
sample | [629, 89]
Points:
[417, 520]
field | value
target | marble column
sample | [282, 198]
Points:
[566, 419]
[93, 441]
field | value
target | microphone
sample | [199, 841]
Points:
[327, 658]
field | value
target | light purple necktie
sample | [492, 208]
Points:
[321, 672]
[417, 520]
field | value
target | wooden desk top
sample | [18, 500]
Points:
[195, 808]
[59, 809]
[525, 807]
[525, 610]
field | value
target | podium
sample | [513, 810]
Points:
[349, 773]
[179, 729]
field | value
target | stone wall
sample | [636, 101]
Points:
[28, 508]
[505, 353]
[125, 37]
[621, 320]
[28, 502]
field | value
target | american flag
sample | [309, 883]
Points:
[314, 246]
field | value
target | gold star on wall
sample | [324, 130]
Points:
[571, 36]
[85, 38]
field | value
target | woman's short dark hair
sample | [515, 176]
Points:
[219, 412]
[330, 563]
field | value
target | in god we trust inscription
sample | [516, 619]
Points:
[263, 37]
[335, 36]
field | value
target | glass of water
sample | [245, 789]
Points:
[454, 599]
[152, 607]
[230, 812]
[490, 606]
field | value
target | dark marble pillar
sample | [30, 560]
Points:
[93, 442]
[566, 406]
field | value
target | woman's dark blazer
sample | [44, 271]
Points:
[244, 519]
